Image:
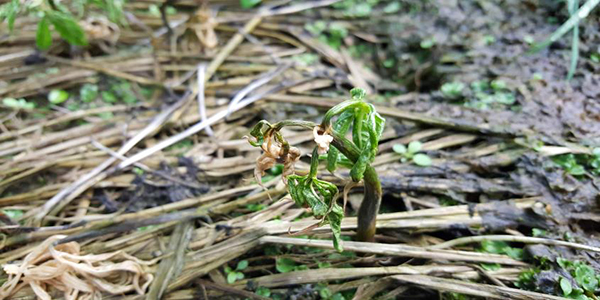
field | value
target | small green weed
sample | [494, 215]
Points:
[18, 103]
[579, 164]
[58, 96]
[411, 153]
[499, 247]
[236, 274]
[286, 265]
[331, 34]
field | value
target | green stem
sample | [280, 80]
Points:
[367, 213]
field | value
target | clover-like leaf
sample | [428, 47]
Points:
[243, 264]
[231, 277]
[422, 160]
[414, 147]
[400, 149]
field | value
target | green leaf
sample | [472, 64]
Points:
[422, 160]
[249, 3]
[146, 228]
[18, 103]
[108, 97]
[576, 170]
[338, 296]
[514, 253]
[358, 94]
[399, 148]
[231, 277]
[263, 291]
[67, 27]
[452, 90]
[563, 263]
[243, 264]
[414, 147]
[495, 247]
[227, 269]
[325, 293]
[536, 232]
[88, 92]
[58, 96]
[14, 214]
[43, 36]
[565, 286]
[9, 12]
[114, 10]
[586, 278]
[392, 8]
[335, 222]
[498, 84]
[427, 43]
[491, 267]
[361, 9]
[358, 170]
[285, 265]
[505, 98]
[239, 275]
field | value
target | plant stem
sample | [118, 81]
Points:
[367, 213]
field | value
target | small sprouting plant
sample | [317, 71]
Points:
[58, 96]
[320, 196]
[579, 164]
[236, 274]
[330, 34]
[411, 153]
[18, 103]
[59, 17]
[499, 247]
[583, 276]
[452, 90]
[263, 291]
[286, 265]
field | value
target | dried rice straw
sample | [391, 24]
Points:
[78, 276]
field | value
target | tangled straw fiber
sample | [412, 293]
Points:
[61, 267]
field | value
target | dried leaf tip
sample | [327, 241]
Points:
[322, 140]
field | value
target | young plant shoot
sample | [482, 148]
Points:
[320, 196]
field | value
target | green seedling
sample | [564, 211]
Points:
[410, 153]
[88, 92]
[366, 126]
[452, 90]
[18, 103]
[573, 164]
[499, 247]
[236, 274]
[286, 265]
[331, 34]
[263, 291]
[58, 96]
